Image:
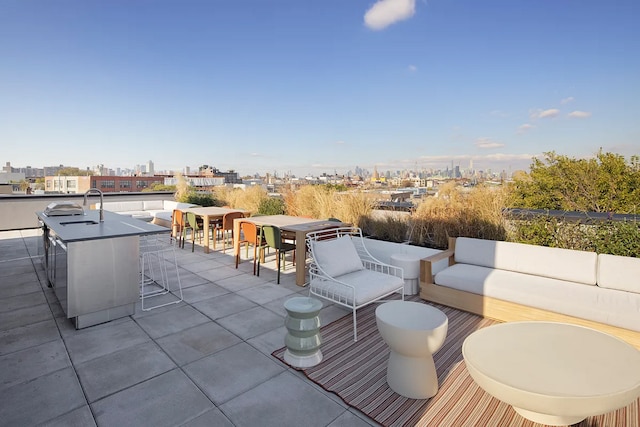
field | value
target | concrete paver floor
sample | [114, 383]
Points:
[204, 361]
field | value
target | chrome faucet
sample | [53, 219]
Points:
[94, 190]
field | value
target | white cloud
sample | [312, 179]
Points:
[524, 128]
[544, 114]
[413, 68]
[386, 12]
[566, 100]
[488, 143]
[579, 114]
[340, 142]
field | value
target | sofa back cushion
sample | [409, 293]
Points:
[123, 206]
[153, 205]
[619, 272]
[337, 256]
[555, 263]
[170, 205]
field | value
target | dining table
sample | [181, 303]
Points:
[209, 214]
[288, 224]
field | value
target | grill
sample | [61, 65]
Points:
[63, 209]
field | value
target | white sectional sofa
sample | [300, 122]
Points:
[513, 281]
[156, 211]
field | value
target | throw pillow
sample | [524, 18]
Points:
[337, 257]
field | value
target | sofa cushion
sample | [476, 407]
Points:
[619, 272]
[123, 206]
[170, 205]
[368, 285]
[336, 256]
[150, 205]
[608, 306]
[555, 263]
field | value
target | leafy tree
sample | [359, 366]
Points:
[605, 183]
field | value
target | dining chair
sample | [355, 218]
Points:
[249, 235]
[226, 227]
[179, 227]
[195, 227]
[273, 239]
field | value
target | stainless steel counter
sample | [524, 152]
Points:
[94, 266]
[75, 228]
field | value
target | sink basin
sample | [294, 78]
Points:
[83, 222]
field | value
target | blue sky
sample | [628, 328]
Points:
[312, 87]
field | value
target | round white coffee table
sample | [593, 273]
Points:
[553, 373]
[413, 331]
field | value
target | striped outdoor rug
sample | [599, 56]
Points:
[357, 373]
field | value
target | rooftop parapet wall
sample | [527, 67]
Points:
[17, 212]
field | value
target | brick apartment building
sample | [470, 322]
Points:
[107, 184]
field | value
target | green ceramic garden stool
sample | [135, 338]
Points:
[303, 332]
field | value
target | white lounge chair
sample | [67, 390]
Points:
[343, 271]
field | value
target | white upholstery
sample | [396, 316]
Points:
[352, 281]
[369, 285]
[147, 210]
[619, 272]
[529, 259]
[137, 205]
[570, 298]
[337, 256]
[153, 205]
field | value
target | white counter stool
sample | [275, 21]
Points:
[410, 265]
[155, 254]
[413, 331]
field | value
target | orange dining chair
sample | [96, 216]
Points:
[179, 226]
[226, 228]
[249, 235]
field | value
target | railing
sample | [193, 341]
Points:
[17, 212]
[571, 216]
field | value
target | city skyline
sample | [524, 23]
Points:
[317, 87]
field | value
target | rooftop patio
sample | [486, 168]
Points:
[205, 361]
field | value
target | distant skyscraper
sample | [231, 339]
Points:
[150, 170]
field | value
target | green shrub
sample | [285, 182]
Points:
[608, 237]
[201, 199]
[390, 228]
[271, 206]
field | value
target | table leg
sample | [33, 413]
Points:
[301, 257]
[236, 237]
[550, 420]
[206, 227]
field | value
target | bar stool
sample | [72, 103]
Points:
[155, 255]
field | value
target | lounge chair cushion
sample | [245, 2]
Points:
[369, 286]
[337, 256]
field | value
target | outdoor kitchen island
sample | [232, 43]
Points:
[92, 265]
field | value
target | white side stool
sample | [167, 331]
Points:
[413, 331]
[410, 265]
